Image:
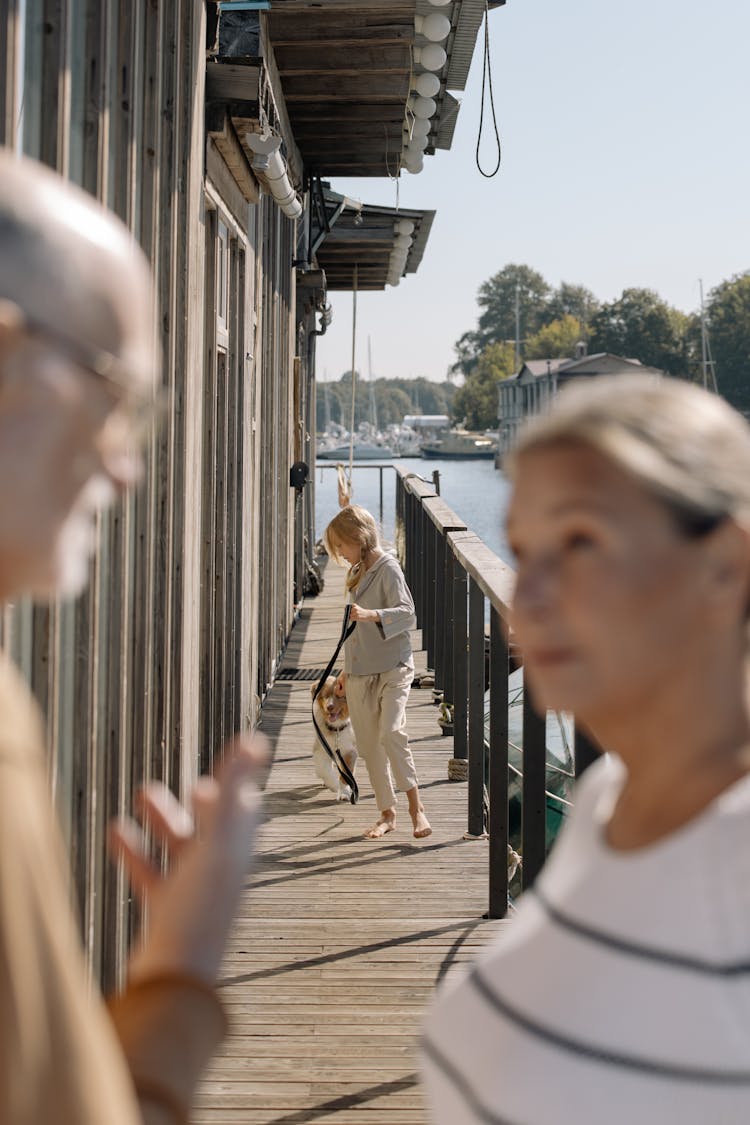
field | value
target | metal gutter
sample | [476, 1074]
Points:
[447, 120]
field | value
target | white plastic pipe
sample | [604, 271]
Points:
[270, 165]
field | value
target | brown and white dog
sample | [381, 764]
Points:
[332, 716]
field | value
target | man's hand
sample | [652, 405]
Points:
[189, 910]
[357, 613]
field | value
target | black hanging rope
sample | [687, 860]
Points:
[487, 81]
[345, 773]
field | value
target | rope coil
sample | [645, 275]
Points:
[487, 81]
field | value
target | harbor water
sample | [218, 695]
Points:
[475, 490]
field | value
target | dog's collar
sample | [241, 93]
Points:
[336, 726]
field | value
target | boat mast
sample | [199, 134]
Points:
[373, 406]
[708, 369]
[518, 328]
[326, 402]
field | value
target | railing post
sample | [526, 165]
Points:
[476, 755]
[446, 623]
[459, 678]
[437, 608]
[498, 819]
[585, 752]
[430, 564]
[418, 574]
[412, 555]
[534, 808]
[401, 521]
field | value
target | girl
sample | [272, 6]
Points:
[378, 664]
[620, 992]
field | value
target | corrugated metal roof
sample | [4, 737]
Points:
[365, 239]
[464, 38]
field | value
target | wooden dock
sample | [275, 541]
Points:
[340, 941]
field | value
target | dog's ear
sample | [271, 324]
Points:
[312, 688]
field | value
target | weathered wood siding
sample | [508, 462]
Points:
[191, 597]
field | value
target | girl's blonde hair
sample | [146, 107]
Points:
[688, 448]
[352, 525]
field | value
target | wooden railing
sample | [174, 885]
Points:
[455, 579]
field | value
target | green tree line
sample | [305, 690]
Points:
[517, 303]
[393, 399]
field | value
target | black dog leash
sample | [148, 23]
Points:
[345, 773]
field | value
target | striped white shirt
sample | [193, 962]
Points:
[620, 993]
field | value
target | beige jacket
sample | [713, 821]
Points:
[380, 646]
[63, 1058]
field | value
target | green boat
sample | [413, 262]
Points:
[560, 774]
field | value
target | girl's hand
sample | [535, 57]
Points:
[357, 613]
[189, 910]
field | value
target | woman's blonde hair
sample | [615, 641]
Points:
[686, 447]
[352, 525]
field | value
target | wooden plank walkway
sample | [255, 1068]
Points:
[340, 940]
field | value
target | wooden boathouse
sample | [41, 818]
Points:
[210, 129]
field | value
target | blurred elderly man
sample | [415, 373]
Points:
[77, 370]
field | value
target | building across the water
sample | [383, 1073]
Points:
[532, 387]
[427, 425]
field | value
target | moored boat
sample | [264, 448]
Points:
[363, 451]
[460, 444]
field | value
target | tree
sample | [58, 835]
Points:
[728, 310]
[573, 300]
[641, 326]
[393, 399]
[476, 402]
[538, 306]
[467, 349]
[497, 300]
[557, 339]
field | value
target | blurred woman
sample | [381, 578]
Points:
[620, 992]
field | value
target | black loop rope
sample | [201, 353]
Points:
[487, 80]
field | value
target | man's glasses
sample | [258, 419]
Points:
[142, 409]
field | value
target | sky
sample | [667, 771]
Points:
[626, 162]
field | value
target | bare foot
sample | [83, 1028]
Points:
[383, 825]
[421, 824]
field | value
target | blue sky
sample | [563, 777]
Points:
[626, 162]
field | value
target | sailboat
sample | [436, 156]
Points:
[367, 445]
[707, 363]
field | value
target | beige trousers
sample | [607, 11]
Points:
[377, 706]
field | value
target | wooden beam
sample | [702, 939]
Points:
[362, 272]
[332, 111]
[373, 88]
[369, 253]
[347, 287]
[220, 130]
[319, 130]
[359, 236]
[306, 59]
[397, 6]
[232, 82]
[333, 27]
[342, 168]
